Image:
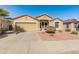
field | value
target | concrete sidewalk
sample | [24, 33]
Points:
[30, 43]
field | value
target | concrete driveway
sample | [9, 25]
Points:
[30, 43]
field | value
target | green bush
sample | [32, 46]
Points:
[74, 32]
[50, 29]
[67, 30]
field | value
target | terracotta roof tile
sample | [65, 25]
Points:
[59, 19]
[71, 21]
[25, 15]
[43, 15]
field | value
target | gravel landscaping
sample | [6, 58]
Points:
[58, 36]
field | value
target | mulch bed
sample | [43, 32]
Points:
[58, 36]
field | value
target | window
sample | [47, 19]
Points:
[56, 24]
[46, 24]
[67, 25]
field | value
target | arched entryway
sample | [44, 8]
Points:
[44, 24]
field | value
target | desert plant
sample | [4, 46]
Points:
[50, 29]
[67, 30]
[74, 32]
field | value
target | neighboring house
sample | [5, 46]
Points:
[6, 24]
[29, 23]
[71, 24]
[3, 24]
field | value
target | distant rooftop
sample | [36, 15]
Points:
[71, 21]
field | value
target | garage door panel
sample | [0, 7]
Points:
[29, 26]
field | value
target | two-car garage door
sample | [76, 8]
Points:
[27, 26]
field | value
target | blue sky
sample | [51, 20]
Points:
[62, 11]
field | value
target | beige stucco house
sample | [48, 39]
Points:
[29, 23]
[71, 24]
[39, 23]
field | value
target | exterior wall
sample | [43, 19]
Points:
[26, 19]
[61, 27]
[51, 23]
[72, 27]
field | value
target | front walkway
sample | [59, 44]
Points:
[30, 42]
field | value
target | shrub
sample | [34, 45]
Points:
[50, 29]
[74, 32]
[67, 30]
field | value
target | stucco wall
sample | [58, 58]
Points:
[72, 27]
[61, 27]
[51, 23]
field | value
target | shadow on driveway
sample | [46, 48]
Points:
[3, 35]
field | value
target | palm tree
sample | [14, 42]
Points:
[3, 14]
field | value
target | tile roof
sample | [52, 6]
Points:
[59, 19]
[43, 15]
[71, 21]
[25, 15]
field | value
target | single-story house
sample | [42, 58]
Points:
[38, 23]
[72, 24]
[6, 24]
